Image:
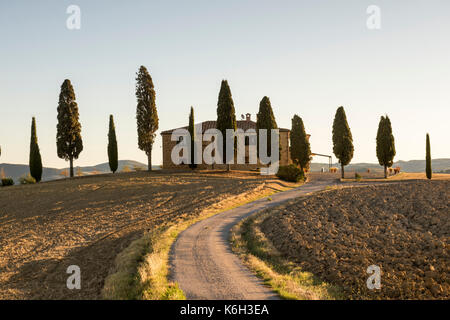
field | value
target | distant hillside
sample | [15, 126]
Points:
[15, 171]
[438, 165]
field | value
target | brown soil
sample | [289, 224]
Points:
[403, 227]
[87, 221]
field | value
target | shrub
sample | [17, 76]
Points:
[290, 173]
[357, 176]
[7, 182]
[27, 179]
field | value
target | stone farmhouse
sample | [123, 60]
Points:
[168, 145]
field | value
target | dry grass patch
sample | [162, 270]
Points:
[141, 269]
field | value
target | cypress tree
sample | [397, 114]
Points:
[226, 117]
[300, 147]
[112, 146]
[428, 158]
[192, 134]
[68, 137]
[35, 161]
[265, 119]
[146, 113]
[342, 139]
[385, 144]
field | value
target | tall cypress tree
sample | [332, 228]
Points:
[265, 119]
[35, 161]
[428, 158]
[342, 139]
[300, 147]
[226, 116]
[68, 137]
[146, 113]
[112, 146]
[192, 134]
[385, 144]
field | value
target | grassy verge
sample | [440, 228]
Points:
[141, 270]
[282, 275]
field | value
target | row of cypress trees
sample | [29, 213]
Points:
[35, 160]
[70, 144]
[68, 137]
[265, 119]
[226, 116]
[343, 147]
[385, 143]
[300, 149]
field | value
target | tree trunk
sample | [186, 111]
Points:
[149, 157]
[385, 172]
[71, 167]
[342, 171]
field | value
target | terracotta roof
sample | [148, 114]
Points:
[241, 124]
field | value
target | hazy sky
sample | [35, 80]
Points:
[309, 57]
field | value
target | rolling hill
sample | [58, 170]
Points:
[15, 171]
[438, 165]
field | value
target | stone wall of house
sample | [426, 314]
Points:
[168, 145]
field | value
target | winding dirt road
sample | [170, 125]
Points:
[202, 261]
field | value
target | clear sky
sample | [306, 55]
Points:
[309, 57]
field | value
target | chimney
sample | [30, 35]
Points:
[248, 116]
